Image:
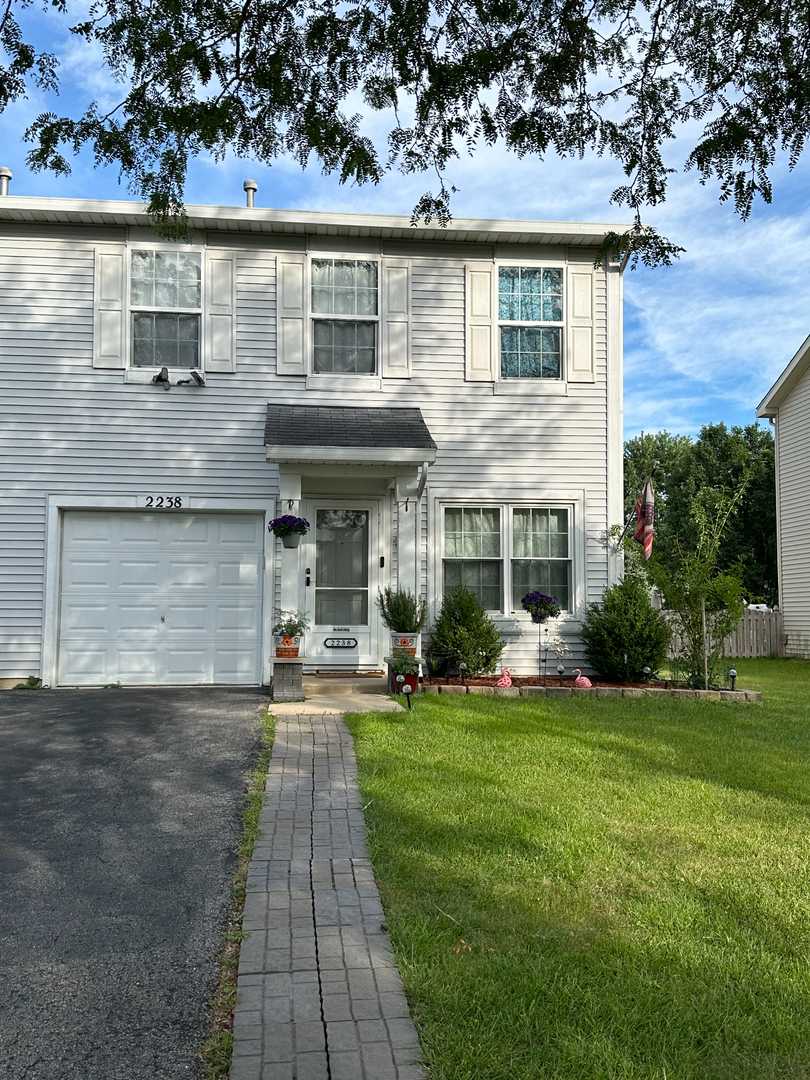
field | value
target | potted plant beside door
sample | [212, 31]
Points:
[288, 629]
[405, 616]
[289, 529]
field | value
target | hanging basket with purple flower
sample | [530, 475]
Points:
[289, 529]
[540, 606]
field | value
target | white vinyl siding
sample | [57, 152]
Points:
[793, 505]
[72, 428]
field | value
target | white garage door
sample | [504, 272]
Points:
[171, 598]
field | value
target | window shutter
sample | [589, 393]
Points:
[109, 337]
[220, 336]
[396, 314]
[580, 326]
[291, 308]
[481, 322]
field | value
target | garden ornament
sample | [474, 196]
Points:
[581, 680]
[505, 679]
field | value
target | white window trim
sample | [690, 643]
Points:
[539, 386]
[347, 381]
[572, 500]
[134, 374]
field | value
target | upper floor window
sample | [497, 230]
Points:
[346, 291]
[166, 308]
[530, 317]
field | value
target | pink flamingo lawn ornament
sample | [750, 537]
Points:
[581, 680]
[505, 679]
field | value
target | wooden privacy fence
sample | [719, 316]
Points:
[758, 633]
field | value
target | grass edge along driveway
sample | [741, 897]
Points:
[599, 888]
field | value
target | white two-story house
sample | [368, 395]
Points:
[442, 405]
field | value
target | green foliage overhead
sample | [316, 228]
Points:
[625, 625]
[719, 459]
[401, 611]
[466, 634]
[622, 78]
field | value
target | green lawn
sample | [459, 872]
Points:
[599, 888]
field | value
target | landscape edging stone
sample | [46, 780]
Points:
[753, 697]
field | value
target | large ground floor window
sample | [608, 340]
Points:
[501, 552]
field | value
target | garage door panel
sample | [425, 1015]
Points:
[188, 664]
[182, 600]
[236, 618]
[88, 573]
[240, 574]
[240, 532]
[139, 574]
[190, 618]
[137, 665]
[129, 530]
[190, 574]
[88, 663]
[138, 618]
[92, 618]
[232, 665]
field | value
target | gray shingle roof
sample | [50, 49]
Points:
[336, 425]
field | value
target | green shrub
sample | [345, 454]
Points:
[625, 624]
[465, 633]
[401, 611]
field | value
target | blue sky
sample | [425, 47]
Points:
[704, 339]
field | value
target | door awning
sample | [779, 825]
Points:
[336, 434]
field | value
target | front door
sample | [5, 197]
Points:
[342, 564]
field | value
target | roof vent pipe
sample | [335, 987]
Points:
[251, 187]
[5, 176]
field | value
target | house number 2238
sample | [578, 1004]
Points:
[164, 502]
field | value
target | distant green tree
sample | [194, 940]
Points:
[719, 459]
[705, 599]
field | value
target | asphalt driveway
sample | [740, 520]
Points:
[119, 814]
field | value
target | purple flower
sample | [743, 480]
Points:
[288, 524]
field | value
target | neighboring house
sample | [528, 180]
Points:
[787, 406]
[442, 405]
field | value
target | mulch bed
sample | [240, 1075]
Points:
[537, 680]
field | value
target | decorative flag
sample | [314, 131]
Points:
[645, 511]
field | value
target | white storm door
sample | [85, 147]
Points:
[160, 599]
[343, 559]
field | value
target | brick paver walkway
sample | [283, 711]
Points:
[319, 995]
